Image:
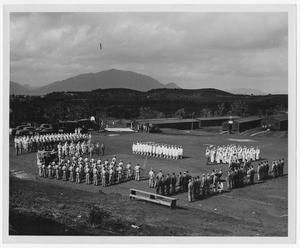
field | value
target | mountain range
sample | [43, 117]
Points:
[112, 78]
[90, 81]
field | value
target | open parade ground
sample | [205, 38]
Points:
[150, 123]
[256, 210]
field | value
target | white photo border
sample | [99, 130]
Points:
[290, 9]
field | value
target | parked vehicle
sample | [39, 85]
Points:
[86, 125]
[47, 131]
[26, 131]
[45, 128]
[14, 130]
[67, 126]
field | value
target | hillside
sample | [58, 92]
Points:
[19, 89]
[101, 80]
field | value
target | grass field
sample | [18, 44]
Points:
[260, 209]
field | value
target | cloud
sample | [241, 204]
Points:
[194, 50]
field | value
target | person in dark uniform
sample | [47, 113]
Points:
[102, 149]
[106, 177]
[190, 191]
[103, 178]
[71, 170]
[163, 184]
[168, 183]
[50, 170]
[180, 179]
[196, 187]
[214, 180]
[173, 183]
[95, 176]
[64, 168]
[188, 177]
[57, 174]
[183, 181]
[77, 175]
[208, 182]
[282, 166]
[87, 175]
[238, 177]
[276, 169]
[229, 180]
[259, 172]
[203, 185]
[252, 175]
[158, 185]
[234, 178]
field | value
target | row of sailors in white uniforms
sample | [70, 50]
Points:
[157, 150]
[76, 169]
[231, 153]
[38, 142]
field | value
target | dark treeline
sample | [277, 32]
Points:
[131, 104]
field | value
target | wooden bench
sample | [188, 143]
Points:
[152, 197]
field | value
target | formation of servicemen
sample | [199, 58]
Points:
[25, 144]
[231, 153]
[245, 175]
[200, 187]
[168, 184]
[197, 187]
[277, 168]
[90, 171]
[236, 176]
[203, 186]
[77, 149]
[157, 150]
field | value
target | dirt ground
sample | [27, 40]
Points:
[257, 210]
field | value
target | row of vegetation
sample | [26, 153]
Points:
[130, 104]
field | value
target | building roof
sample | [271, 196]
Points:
[167, 120]
[217, 118]
[279, 117]
[248, 119]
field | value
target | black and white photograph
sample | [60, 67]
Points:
[150, 122]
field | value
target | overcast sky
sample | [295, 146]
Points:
[194, 50]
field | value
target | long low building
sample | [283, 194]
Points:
[182, 124]
[243, 124]
[276, 122]
[175, 123]
[215, 121]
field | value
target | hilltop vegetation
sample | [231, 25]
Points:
[131, 104]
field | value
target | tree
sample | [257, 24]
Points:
[206, 112]
[221, 109]
[148, 113]
[239, 108]
[180, 113]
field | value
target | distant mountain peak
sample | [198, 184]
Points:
[172, 85]
[112, 78]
